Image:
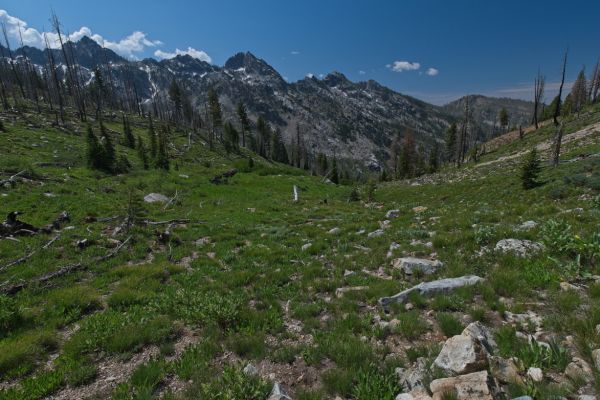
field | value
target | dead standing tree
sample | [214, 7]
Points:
[559, 132]
[538, 96]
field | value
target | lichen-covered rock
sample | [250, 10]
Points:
[277, 393]
[462, 354]
[522, 248]
[414, 376]
[535, 374]
[504, 370]
[156, 198]
[475, 386]
[478, 331]
[411, 265]
[579, 369]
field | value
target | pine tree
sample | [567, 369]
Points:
[264, 136]
[244, 121]
[407, 162]
[142, 153]
[129, 139]
[94, 150]
[531, 170]
[175, 97]
[109, 155]
[231, 138]
[278, 150]
[216, 115]
[162, 156]
[579, 93]
[433, 164]
[503, 117]
[335, 178]
[152, 139]
[451, 142]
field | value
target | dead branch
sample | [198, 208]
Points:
[114, 252]
[171, 222]
[12, 179]
[170, 201]
[28, 255]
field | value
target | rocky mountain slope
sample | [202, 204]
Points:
[485, 111]
[353, 120]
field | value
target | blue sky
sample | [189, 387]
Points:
[436, 50]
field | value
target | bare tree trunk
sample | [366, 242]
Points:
[13, 62]
[538, 96]
[58, 87]
[557, 144]
[562, 82]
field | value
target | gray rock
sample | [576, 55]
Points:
[478, 331]
[579, 369]
[475, 386]
[519, 247]
[586, 397]
[414, 376]
[523, 398]
[429, 289]
[527, 225]
[504, 370]
[392, 214]
[411, 265]
[462, 354]
[535, 374]
[156, 198]
[377, 233]
[277, 393]
[596, 358]
[334, 231]
[250, 370]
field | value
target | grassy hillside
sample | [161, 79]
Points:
[292, 288]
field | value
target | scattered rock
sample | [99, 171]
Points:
[203, 241]
[523, 398]
[413, 377]
[478, 331]
[250, 370]
[410, 265]
[504, 370]
[183, 176]
[527, 225]
[419, 209]
[334, 231]
[535, 374]
[566, 286]
[428, 289]
[524, 319]
[415, 394]
[520, 247]
[392, 214]
[474, 386]
[596, 358]
[462, 354]
[348, 273]
[277, 393]
[579, 369]
[156, 198]
[377, 233]
[339, 292]
[306, 246]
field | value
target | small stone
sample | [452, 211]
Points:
[411, 265]
[156, 198]
[523, 398]
[348, 273]
[566, 286]
[334, 231]
[461, 354]
[504, 370]
[277, 393]
[376, 233]
[413, 377]
[183, 176]
[339, 292]
[250, 370]
[521, 248]
[535, 374]
[408, 306]
[527, 225]
[474, 386]
[306, 246]
[586, 397]
[392, 214]
[419, 209]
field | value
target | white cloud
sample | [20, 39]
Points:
[127, 47]
[294, 52]
[432, 71]
[199, 54]
[361, 72]
[399, 66]
[310, 76]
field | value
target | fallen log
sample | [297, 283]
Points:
[28, 255]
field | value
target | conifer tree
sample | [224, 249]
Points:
[531, 170]
[162, 157]
[142, 152]
[503, 118]
[175, 97]
[264, 136]
[129, 139]
[94, 150]
[216, 115]
[433, 164]
[109, 154]
[579, 95]
[335, 178]
[231, 138]
[451, 142]
[244, 121]
[152, 139]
